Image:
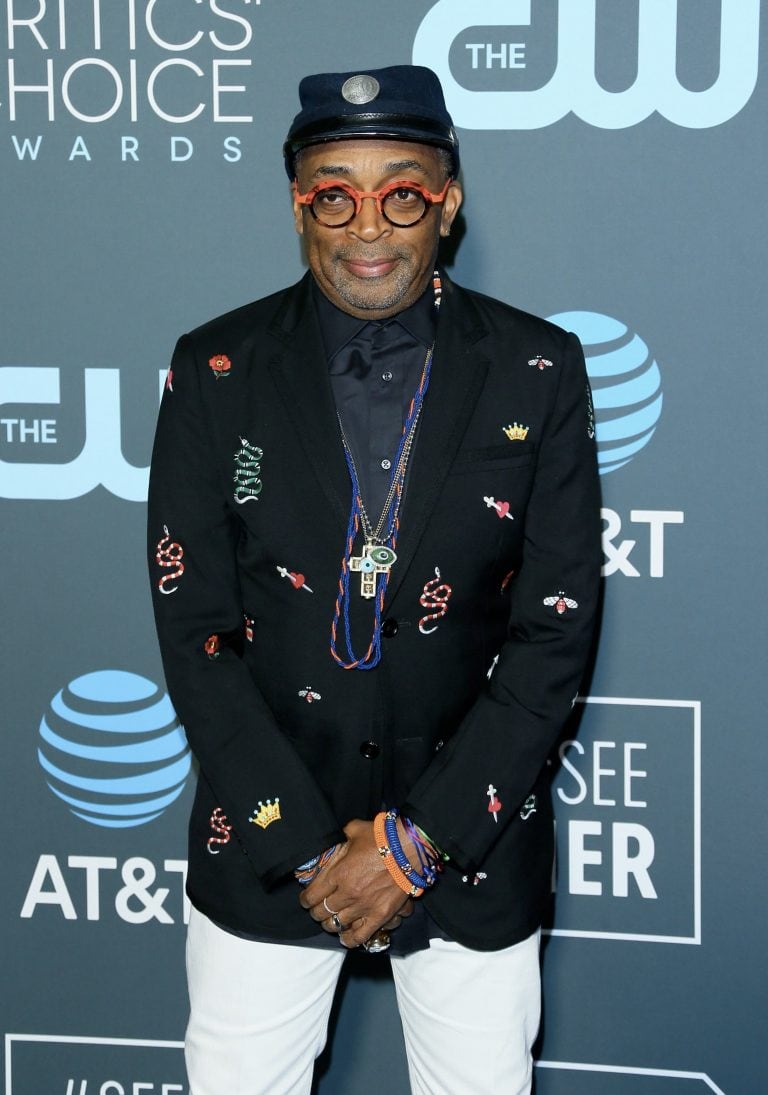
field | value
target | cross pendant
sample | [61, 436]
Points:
[375, 559]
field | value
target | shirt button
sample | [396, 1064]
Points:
[369, 749]
[386, 375]
[389, 628]
[386, 464]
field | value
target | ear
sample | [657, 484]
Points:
[298, 210]
[450, 208]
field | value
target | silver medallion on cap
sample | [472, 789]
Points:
[360, 89]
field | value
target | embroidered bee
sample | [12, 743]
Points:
[540, 363]
[308, 695]
[560, 602]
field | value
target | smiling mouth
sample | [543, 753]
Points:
[370, 268]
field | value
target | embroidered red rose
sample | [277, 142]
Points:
[220, 364]
[212, 646]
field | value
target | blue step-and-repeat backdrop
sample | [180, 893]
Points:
[615, 167]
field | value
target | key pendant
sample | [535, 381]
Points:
[375, 559]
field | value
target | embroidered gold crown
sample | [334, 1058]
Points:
[268, 812]
[516, 432]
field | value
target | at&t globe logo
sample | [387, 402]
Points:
[626, 385]
[113, 749]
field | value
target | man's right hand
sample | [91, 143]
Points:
[358, 888]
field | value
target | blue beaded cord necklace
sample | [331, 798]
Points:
[374, 564]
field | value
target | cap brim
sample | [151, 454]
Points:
[395, 127]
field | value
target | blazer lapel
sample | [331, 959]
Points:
[301, 376]
[458, 373]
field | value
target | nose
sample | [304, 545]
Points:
[369, 224]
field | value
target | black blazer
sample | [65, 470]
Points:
[269, 714]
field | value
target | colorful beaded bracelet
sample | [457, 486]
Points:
[385, 851]
[402, 860]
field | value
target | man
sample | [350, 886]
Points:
[374, 543]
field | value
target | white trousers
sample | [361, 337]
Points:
[259, 1015]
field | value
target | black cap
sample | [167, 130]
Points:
[403, 102]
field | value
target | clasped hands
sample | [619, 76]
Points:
[356, 891]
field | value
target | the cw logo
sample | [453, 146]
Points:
[573, 86]
[100, 460]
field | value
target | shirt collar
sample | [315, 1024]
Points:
[338, 327]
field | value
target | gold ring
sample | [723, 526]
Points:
[378, 942]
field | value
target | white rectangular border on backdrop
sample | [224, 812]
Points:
[145, 1043]
[625, 1070]
[695, 937]
[564, 1066]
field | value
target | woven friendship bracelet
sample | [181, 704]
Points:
[309, 871]
[429, 857]
[384, 850]
[418, 836]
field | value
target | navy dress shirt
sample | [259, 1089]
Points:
[375, 368]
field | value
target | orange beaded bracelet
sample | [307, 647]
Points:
[385, 852]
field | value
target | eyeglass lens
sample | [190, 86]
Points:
[402, 206]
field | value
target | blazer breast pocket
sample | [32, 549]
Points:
[515, 454]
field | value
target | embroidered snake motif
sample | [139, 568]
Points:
[247, 472]
[435, 596]
[218, 822]
[168, 554]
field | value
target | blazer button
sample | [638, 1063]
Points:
[369, 749]
[389, 628]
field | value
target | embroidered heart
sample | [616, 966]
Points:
[298, 580]
[502, 509]
[494, 806]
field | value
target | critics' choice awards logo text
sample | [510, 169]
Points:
[488, 56]
[627, 806]
[153, 63]
[626, 385]
[113, 750]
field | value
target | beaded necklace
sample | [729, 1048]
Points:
[374, 564]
